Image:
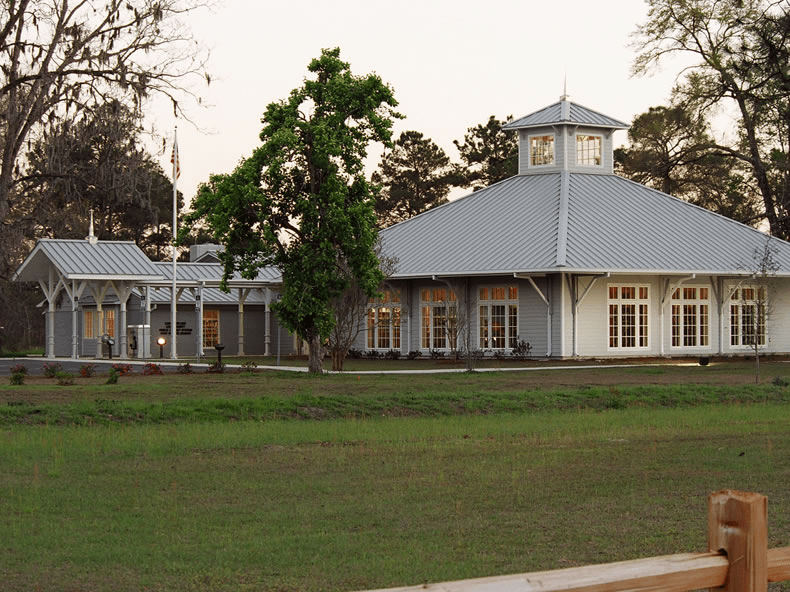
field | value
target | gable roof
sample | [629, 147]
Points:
[565, 112]
[81, 259]
[574, 222]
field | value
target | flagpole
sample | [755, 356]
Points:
[174, 297]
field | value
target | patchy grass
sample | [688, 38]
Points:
[273, 481]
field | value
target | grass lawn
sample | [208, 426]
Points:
[275, 481]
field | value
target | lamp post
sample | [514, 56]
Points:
[161, 341]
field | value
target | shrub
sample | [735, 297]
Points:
[373, 354]
[19, 369]
[522, 350]
[413, 354]
[113, 376]
[217, 368]
[355, 354]
[151, 368]
[123, 369]
[51, 369]
[185, 368]
[87, 370]
[780, 381]
[436, 354]
[393, 354]
[18, 377]
[65, 378]
[249, 366]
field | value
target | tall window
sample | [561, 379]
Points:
[384, 322]
[438, 318]
[690, 317]
[747, 316]
[541, 150]
[210, 327]
[588, 149]
[628, 317]
[93, 327]
[498, 317]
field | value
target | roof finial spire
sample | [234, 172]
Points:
[91, 238]
[565, 95]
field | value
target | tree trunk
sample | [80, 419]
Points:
[315, 358]
[337, 360]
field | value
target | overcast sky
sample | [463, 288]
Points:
[451, 63]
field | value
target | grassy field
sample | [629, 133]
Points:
[276, 481]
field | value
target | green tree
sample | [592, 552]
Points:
[741, 50]
[671, 150]
[415, 176]
[301, 202]
[488, 153]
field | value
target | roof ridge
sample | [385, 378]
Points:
[562, 220]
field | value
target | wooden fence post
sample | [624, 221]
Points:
[737, 526]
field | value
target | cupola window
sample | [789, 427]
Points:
[588, 150]
[541, 150]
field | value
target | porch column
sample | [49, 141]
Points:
[243, 293]
[75, 305]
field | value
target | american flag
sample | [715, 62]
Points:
[174, 160]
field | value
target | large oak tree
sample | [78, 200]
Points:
[302, 202]
[739, 52]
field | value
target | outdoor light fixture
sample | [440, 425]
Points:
[162, 341]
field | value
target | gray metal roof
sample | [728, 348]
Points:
[81, 259]
[565, 112]
[212, 273]
[574, 222]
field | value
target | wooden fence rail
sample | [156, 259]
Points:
[738, 560]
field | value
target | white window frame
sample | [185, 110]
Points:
[616, 309]
[749, 299]
[505, 297]
[434, 315]
[384, 323]
[545, 158]
[582, 149]
[689, 315]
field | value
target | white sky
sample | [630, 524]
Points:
[451, 63]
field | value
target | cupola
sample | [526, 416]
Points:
[565, 137]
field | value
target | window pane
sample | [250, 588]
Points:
[210, 328]
[541, 150]
[498, 326]
[425, 327]
[483, 293]
[372, 328]
[395, 328]
[513, 292]
[439, 337]
[512, 325]
[498, 293]
[484, 327]
[588, 149]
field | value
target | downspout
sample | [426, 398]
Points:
[267, 322]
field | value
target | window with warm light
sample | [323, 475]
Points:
[210, 327]
[690, 311]
[747, 316]
[498, 317]
[438, 318]
[541, 150]
[383, 322]
[628, 317]
[588, 150]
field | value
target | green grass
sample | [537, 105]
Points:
[401, 490]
